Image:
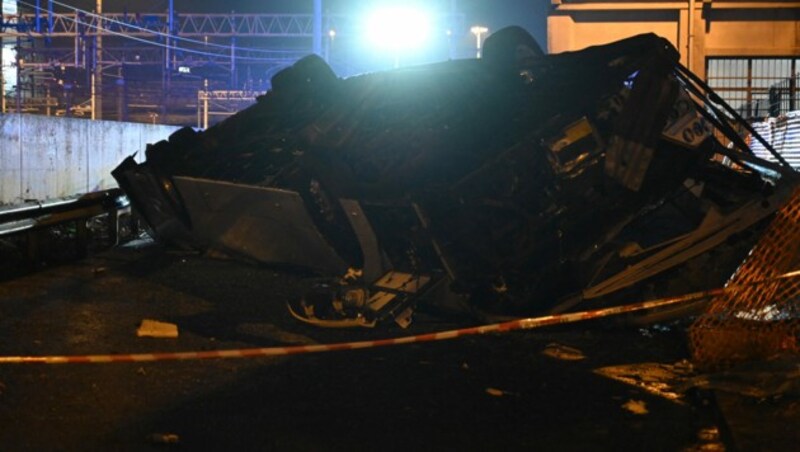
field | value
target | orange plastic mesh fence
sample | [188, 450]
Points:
[757, 316]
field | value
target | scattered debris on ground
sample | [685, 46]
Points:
[154, 328]
[164, 438]
[636, 407]
[662, 380]
[776, 377]
[563, 352]
[499, 392]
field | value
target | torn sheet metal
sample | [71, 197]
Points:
[258, 223]
[513, 183]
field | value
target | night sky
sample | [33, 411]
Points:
[495, 14]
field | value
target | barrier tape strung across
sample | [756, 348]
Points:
[520, 324]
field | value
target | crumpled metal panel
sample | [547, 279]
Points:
[262, 224]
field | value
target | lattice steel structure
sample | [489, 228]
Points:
[146, 25]
[78, 54]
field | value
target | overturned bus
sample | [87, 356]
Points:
[514, 184]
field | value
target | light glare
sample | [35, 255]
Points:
[398, 28]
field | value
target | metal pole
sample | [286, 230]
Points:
[478, 31]
[19, 145]
[170, 28]
[453, 26]
[168, 61]
[2, 78]
[793, 87]
[120, 94]
[233, 63]
[329, 35]
[17, 89]
[77, 49]
[97, 78]
[50, 16]
[94, 98]
[205, 106]
[689, 34]
[317, 26]
[37, 16]
[67, 98]
[85, 55]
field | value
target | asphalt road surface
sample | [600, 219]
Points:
[496, 392]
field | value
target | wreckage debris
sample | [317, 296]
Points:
[164, 438]
[391, 296]
[563, 352]
[154, 328]
[775, 377]
[494, 392]
[509, 185]
[659, 379]
[638, 407]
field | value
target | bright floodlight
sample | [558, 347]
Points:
[398, 28]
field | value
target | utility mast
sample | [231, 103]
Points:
[97, 76]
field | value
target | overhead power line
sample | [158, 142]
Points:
[176, 48]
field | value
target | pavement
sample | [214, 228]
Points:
[533, 390]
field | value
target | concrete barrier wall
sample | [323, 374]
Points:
[45, 157]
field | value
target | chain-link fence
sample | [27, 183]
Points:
[757, 315]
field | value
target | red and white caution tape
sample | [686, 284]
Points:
[520, 324]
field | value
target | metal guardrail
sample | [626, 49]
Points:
[32, 219]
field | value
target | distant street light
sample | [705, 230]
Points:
[329, 44]
[478, 31]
